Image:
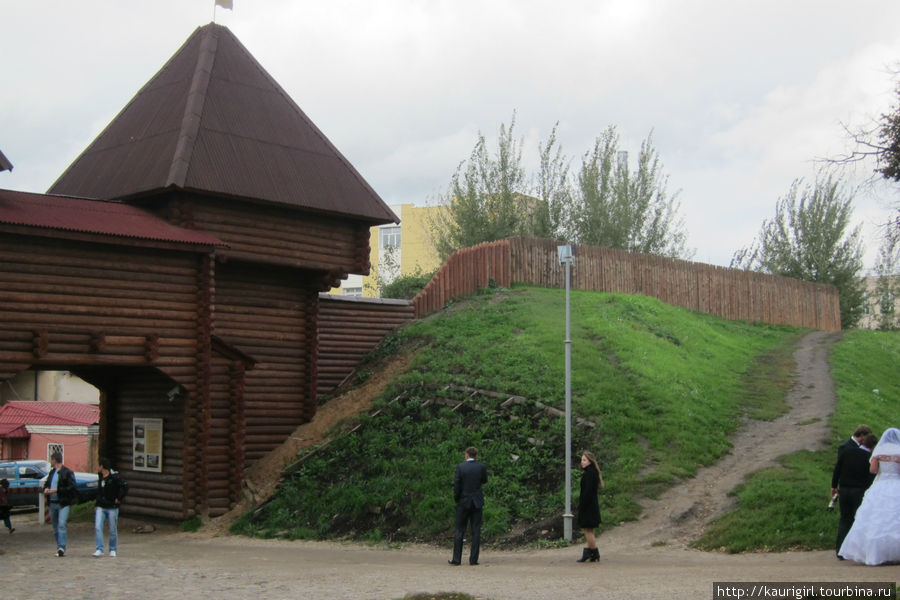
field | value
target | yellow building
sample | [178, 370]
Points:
[396, 250]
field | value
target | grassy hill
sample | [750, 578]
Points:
[656, 392]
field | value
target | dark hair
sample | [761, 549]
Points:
[862, 431]
[871, 441]
[104, 463]
[471, 452]
[56, 456]
[4, 482]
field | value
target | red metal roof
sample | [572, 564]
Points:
[16, 415]
[212, 120]
[93, 216]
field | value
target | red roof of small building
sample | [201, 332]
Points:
[93, 216]
[16, 415]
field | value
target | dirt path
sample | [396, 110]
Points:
[167, 564]
[680, 514]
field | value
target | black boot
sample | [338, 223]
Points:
[585, 555]
[595, 554]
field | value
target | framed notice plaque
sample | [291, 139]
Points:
[146, 445]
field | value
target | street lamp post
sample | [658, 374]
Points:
[565, 258]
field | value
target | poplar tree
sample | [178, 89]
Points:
[810, 238]
[620, 208]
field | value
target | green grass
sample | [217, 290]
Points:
[664, 388]
[784, 508]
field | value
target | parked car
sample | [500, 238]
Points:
[26, 479]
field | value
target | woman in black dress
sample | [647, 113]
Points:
[589, 504]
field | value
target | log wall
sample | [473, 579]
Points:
[269, 314]
[274, 235]
[225, 450]
[177, 492]
[349, 328]
[68, 302]
[131, 321]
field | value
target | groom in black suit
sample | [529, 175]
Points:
[467, 481]
[850, 479]
[855, 440]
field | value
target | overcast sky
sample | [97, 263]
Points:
[742, 97]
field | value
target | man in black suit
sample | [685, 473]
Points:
[467, 481]
[850, 479]
[855, 440]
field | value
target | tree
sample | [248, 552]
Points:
[880, 141]
[485, 200]
[490, 198]
[810, 239]
[888, 148]
[553, 191]
[618, 208]
[887, 287]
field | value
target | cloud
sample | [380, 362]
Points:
[741, 97]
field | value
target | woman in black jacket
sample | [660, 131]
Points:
[589, 504]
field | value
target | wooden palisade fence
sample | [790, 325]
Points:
[725, 292]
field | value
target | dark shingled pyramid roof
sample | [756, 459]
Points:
[212, 120]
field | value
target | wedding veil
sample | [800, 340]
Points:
[889, 445]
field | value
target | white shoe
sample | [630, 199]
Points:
[112, 553]
[97, 553]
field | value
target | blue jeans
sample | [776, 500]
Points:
[111, 515]
[59, 516]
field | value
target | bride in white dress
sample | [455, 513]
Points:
[874, 538]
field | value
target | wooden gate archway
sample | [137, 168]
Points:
[217, 222]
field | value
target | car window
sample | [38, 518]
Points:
[7, 472]
[30, 473]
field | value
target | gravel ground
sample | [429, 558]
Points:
[167, 564]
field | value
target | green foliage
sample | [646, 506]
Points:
[784, 508]
[767, 383]
[864, 368]
[406, 286]
[810, 239]
[490, 197]
[662, 387]
[486, 200]
[192, 524]
[887, 270]
[619, 208]
[82, 512]
[888, 145]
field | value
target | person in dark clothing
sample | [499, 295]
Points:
[850, 480]
[470, 475]
[589, 504]
[4, 504]
[856, 439]
[60, 491]
[109, 496]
